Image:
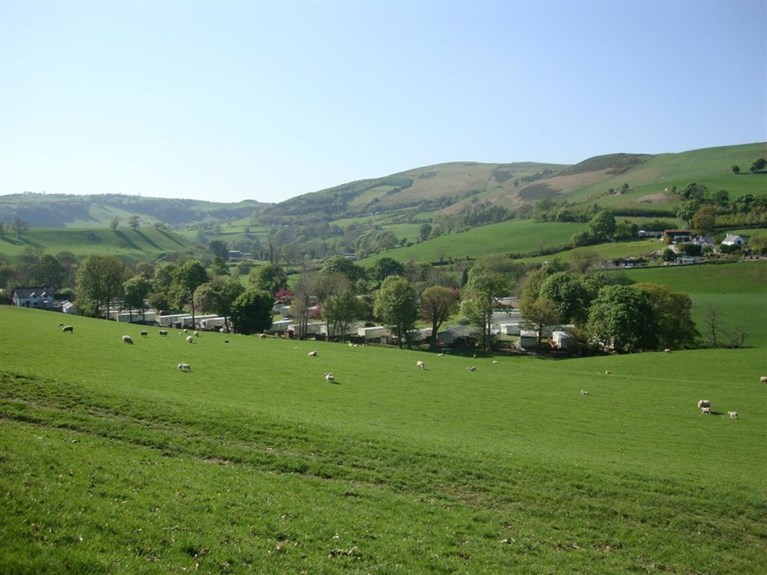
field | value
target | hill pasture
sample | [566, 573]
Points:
[115, 461]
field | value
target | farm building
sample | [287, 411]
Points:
[378, 334]
[212, 323]
[733, 240]
[454, 334]
[135, 316]
[528, 339]
[177, 321]
[560, 340]
[40, 297]
[676, 236]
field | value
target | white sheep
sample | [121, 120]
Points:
[763, 379]
[163, 332]
[329, 378]
[190, 339]
[667, 350]
[495, 362]
[472, 368]
[312, 354]
[420, 364]
[704, 403]
[608, 372]
[733, 414]
[705, 410]
[262, 335]
[584, 392]
[143, 333]
[184, 367]
[127, 339]
[197, 334]
[68, 329]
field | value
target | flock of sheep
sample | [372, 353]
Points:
[704, 405]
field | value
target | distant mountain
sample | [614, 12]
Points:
[628, 183]
[61, 210]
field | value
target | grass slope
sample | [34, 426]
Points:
[144, 243]
[113, 461]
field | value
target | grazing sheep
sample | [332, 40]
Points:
[667, 350]
[143, 333]
[262, 335]
[68, 329]
[705, 406]
[190, 339]
[312, 354]
[495, 361]
[763, 379]
[197, 334]
[705, 410]
[163, 332]
[608, 372]
[184, 367]
[329, 378]
[733, 414]
[420, 364]
[127, 339]
[584, 392]
[472, 368]
[186, 330]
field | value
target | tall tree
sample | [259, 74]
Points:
[482, 293]
[20, 226]
[339, 310]
[252, 312]
[602, 226]
[396, 306]
[218, 248]
[673, 316]
[384, 268]
[136, 290]
[569, 296]
[218, 296]
[539, 315]
[270, 278]
[621, 318]
[187, 277]
[438, 303]
[99, 282]
[134, 223]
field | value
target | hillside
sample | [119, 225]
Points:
[620, 181]
[61, 210]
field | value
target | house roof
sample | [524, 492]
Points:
[41, 291]
[733, 239]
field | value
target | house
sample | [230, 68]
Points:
[560, 340]
[676, 236]
[528, 339]
[454, 334]
[733, 240]
[41, 297]
[68, 307]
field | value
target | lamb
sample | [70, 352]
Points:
[584, 392]
[163, 332]
[190, 339]
[143, 333]
[472, 368]
[128, 339]
[329, 378]
[68, 329]
[312, 354]
[733, 414]
[184, 367]
[420, 364]
[705, 406]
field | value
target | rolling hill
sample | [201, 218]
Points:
[620, 181]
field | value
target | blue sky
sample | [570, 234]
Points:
[225, 101]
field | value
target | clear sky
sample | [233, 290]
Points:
[226, 101]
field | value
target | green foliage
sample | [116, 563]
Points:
[99, 282]
[437, 304]
[621, 318]
[481, 298]
[397, 308]
[270, 278]
[252, 312]
[569, 295]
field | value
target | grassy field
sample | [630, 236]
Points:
[738, 290]
[511, 237]
[113, 461]
[144, 243]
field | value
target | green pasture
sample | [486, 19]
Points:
[510, 237]
[114, 461]
[144, 243]
[711, 167]
[738, 290]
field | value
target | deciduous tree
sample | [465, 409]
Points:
[252, 312]
[621, 318]
[395, 305]
[438, 303]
